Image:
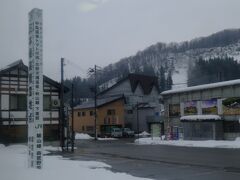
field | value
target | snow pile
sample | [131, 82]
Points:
[237, 139]
[186, 143]
[143, 134]
[2, 146]
[86, 136]
[82, 136]
[13, 166]
[107, 139]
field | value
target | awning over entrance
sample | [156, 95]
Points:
[200, 118]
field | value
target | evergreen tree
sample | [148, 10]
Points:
[162, 79]
[169, 81]
[213, 70]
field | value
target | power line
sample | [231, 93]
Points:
[76, 66]
[84, 71]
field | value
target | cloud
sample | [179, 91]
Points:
[90, 5]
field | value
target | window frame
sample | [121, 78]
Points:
[49, 107]
[111, 112]
[18, 107]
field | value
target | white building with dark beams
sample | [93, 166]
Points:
[13, 103]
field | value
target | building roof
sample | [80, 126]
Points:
[144, 106]
[202, 87]
[100, 102]
[21, 65]
[146, 82]
[200, 118]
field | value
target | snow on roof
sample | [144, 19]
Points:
[200, 117]
[202, 87]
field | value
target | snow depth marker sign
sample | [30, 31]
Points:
[35, 91]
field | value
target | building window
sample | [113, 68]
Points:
[91, 113]
[130, 111]
[83, 113]
[83, 128]
[46, 102]
[174, 110]
[18, 102]
[111, 112]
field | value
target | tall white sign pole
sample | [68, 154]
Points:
[35, 91]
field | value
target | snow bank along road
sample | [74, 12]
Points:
[13, 165]
[188, 143]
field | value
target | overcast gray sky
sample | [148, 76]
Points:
[101, 32]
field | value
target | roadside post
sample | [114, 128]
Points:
[35, 90]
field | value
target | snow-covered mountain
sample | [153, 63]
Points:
[183, 60]
[175, 57]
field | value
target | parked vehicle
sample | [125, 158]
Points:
[127, 132]
[116, 132]
[106, 130]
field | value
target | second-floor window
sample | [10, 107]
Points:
[46, 102]
[18, 102]
[111, 112]
[91, 113]
[81, 113]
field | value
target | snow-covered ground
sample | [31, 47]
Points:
[13, 165]
[208, 143]
[179, 77]
[86, 136]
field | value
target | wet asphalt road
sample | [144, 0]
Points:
[161, 161]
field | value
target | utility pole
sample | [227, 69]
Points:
[94, 70]
[137, 121]
[62, 116]
[72, 138]
[65, 135]
[95, 101]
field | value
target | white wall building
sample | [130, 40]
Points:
[221, 99]
[13, 103]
